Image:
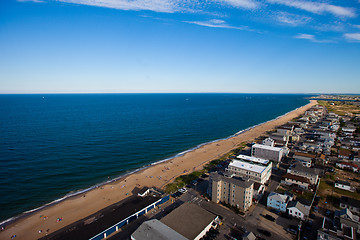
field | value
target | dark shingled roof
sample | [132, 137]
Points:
[297, 178]
[350, 201]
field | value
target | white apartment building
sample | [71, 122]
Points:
[267, 152]
[256, 169]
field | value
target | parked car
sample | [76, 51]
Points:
[269, 217]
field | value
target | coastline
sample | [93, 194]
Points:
[78, 205]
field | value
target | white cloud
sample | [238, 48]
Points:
[312, 38]
[292, 19]
[168, 6]
[217, 23]
[37, 1]
[317, 7]
[305, 36]
[352, 36]
[249, 4]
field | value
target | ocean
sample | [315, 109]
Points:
[54, 145]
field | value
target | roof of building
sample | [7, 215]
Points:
[257, 186]
[244, 183]
[249, 236]
[156, 230]
[344, 152]
[267, 147]
[348, 164]
[342, 182]
[309, 155]
[350, 201]
[296, 177]
[189, 220]
[253, 159]
[278, 197]
[247, 166]
[298, 167]
[345, 213]
[301, 207]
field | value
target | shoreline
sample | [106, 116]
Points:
[205, 152]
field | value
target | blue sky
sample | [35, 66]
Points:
[255, 46]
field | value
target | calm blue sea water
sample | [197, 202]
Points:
[51, 145]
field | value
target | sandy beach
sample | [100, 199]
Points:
[46, 221]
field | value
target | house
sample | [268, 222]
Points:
[349, 131]
[344, 153]
[343, 185]
[278, 201]
[311, 173]
[333, 229]
[156, 230]
[352, 204]
[290, 179]
[268, 142]
[257, 169]
[190, 220]
[349, 166]
[346, 217]
[305, 158]
[249, 236]
[298, 210]
[266, 152]
[232, 190]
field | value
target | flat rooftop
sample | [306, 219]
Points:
[267, 147]
[247, 166]
[253, 159]
[156, 230]
[189, 220]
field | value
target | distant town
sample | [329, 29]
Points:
[299, 181]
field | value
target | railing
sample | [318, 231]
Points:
[117, 226]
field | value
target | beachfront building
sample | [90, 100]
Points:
[267, 152]
[156, 230]
[278, 201]
[256, 169]
[190, 220]
[232, 190]
[187, 222]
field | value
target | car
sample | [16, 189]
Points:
[292, 231]
[269, 217]
[265, 232]
[183, 190]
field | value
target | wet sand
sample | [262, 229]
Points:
[45, 221]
